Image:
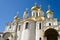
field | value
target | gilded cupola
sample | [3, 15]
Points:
[25, 14]
[49, 10]
[35, 7]
[16, 17]
[40, 9]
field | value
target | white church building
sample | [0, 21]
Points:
[34, 27]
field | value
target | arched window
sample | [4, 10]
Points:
[26, 26]
[7, 39]
[40, 38]
[19, 27]
[10, 27]
[0, 35]
[51, 34]
[39, 14]
[49, 24]
[36, 14]
[33, 14]
[39, 25]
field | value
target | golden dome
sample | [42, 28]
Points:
[34, 8]
[49, 12]
[25, 12]
[16, 18]
[40, 9]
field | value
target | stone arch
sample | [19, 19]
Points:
[7, 36]
[51, 34]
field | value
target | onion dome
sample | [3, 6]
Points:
[25, 12]
[40, 9]
[16, 17]
[35, 7]
[49, 12]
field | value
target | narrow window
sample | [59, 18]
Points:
[35, 25]
[49, 24]
[7, 39]
[26, 25]
[36, 14]
[39, 25]
[0, 35]
[40, 38]
[33, 14]
[10, 27]
[39, 14]
[19, 27]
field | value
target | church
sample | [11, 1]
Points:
[34, 27]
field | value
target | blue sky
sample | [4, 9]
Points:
[8, 9]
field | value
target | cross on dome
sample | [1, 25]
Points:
[17, 13]
[35, 4]
[40, 5]
[26, 9]
[49, 7]
[16, 17]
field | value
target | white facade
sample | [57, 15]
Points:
[35, 27]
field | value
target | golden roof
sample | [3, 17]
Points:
[16, 18]
[22, 21]
[37, 18]
[34, 8]
[31, 19]
[49, 12]
[40, 18]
